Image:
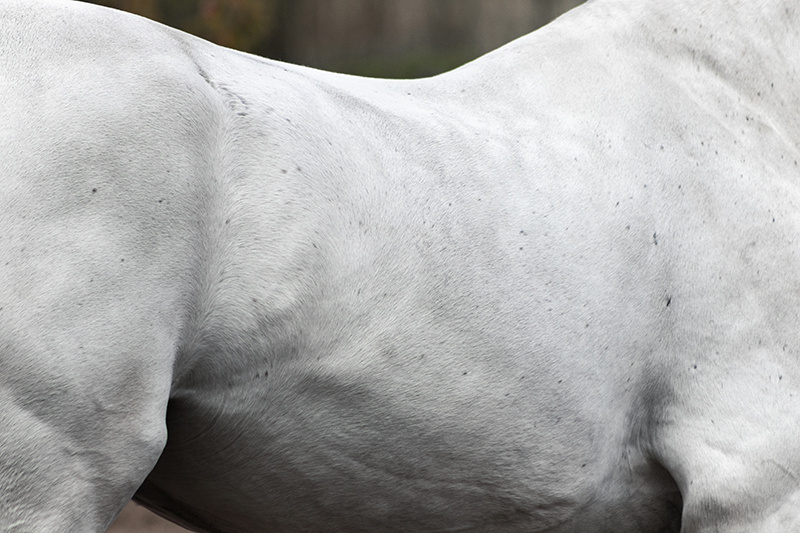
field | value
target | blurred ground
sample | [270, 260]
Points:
[136, 519]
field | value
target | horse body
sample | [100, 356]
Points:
[552, 290]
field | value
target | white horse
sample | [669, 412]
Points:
[557, 289]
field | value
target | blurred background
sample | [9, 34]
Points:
[378, 38]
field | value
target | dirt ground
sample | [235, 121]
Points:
[137, 519]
